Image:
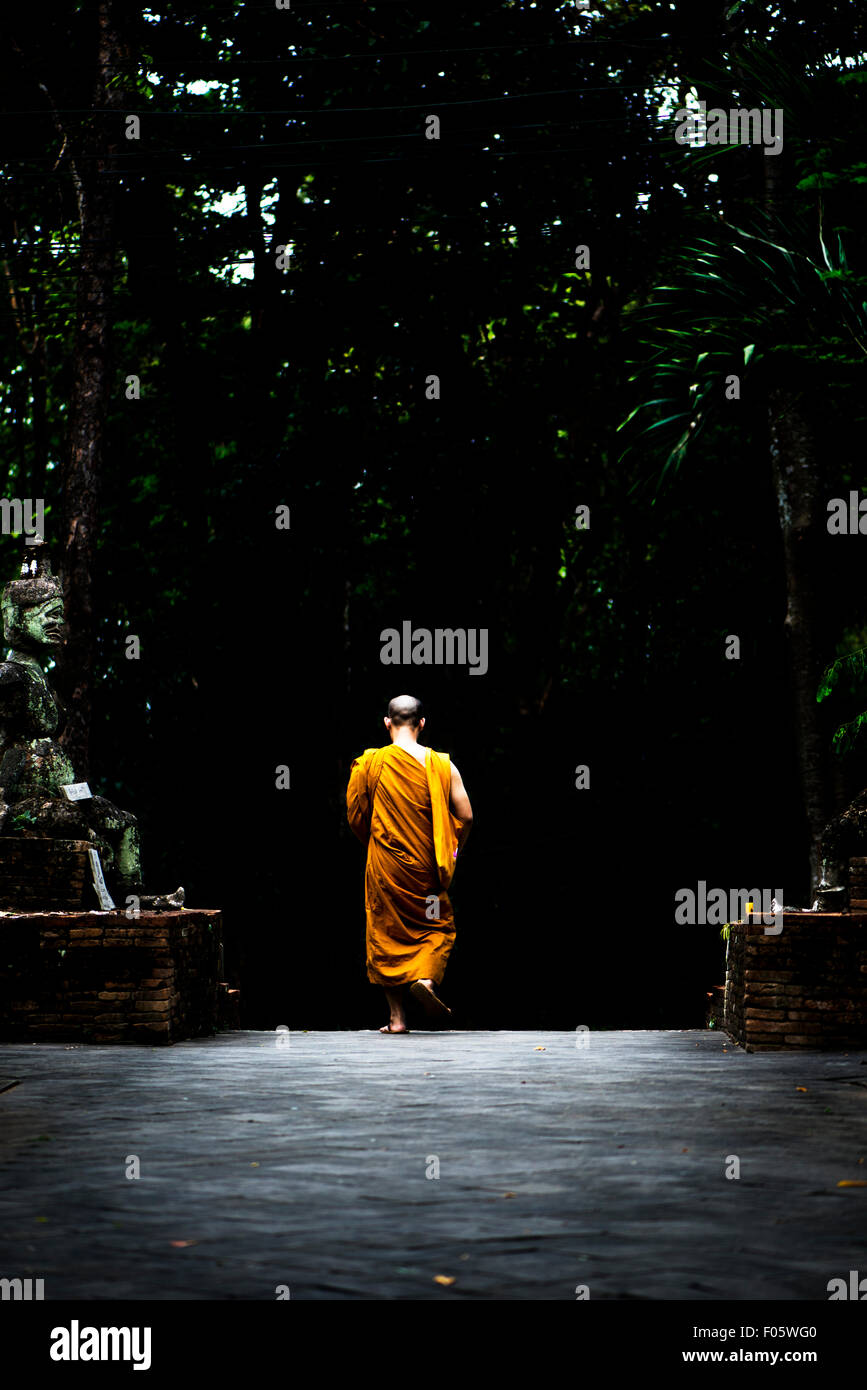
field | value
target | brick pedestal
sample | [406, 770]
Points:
[858, 884]
[101, 977]
[806, 988]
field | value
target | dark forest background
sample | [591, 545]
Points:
[260, 387]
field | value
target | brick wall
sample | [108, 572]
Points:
[100, 977]
[806, 988]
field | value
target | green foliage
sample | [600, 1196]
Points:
[738, 302]
[850, 735]
[852, 666]
[742, 289]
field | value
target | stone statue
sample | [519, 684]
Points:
[844, 838]
[846, 835]
[33, 766]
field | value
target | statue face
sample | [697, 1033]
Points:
[42, 625]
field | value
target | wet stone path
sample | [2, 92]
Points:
[454, 1165]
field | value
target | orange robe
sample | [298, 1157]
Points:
[400, 810]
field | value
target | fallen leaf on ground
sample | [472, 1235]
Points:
[444, 1278]
[800, 1088]
[540, 1049]
[510, 1194]
[852, 1182]
[179, 1244]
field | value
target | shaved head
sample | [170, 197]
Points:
[405, 709]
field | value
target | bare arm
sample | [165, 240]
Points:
[459, 805]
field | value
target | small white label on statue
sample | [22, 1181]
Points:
[105, 899]
[76, 791]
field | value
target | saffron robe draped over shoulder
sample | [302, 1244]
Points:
[400, 810]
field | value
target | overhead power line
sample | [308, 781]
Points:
[303, 112]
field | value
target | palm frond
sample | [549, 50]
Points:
[745, 297]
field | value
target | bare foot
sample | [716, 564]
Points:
[396, 1013]
[423, 992]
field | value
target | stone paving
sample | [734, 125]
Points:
[304, 1163]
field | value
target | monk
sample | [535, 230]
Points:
[407, 803]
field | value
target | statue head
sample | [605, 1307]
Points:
[32, 606]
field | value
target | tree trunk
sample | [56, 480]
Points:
[96, 184]
[801, 509]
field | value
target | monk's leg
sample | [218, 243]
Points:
[397, 1013]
